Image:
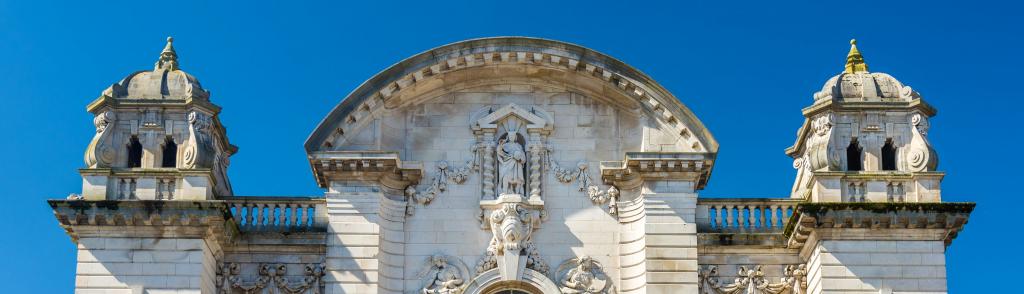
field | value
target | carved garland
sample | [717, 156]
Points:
[439, 184]
[584, 182]
[753, 281]
[270, 279]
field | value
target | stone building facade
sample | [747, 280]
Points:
[510, 165]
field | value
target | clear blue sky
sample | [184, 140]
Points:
[745, 69]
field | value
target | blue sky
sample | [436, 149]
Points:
[745, 69]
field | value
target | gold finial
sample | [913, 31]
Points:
[168, 58]
[855, 61]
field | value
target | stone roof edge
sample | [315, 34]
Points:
[387, 78]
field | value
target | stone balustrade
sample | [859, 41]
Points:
[278, 214]
[744, 215]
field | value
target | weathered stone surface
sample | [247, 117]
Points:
[510, 163]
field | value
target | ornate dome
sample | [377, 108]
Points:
[856, 84]
[165, 81]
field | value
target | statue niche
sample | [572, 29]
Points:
[511, 164]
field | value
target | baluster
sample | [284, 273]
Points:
[728, 216]
[761, 218]
[261, 214]
[786, 215]
[277, 213]
[718, 216]
[772, 218]
[248, 214]
[742, 217]
[305, 215]
[293, 209]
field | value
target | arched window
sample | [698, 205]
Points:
[134, 152]
[170, 153]
[853, 158]
[889, 155]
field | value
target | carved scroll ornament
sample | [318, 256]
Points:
[100, 153]
[199, 151]
[920, 156]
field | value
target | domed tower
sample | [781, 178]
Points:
[865, 140]
[157, 138]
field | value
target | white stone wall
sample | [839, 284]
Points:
[670, 237]
[144, 265]
[868, 266]
[585, 129]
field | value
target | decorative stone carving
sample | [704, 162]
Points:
[100, 153]
[583, 275]
[753, 281]
[512, 227]
[920, 156]
[504, 135]
[439, 183]
[584, 182]
[443, 275]
[820, 153]
[511, 164]
[199, 150]
[511, 248]
[269, 279]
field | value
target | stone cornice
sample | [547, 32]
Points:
[916, 104]
[382, 166]
[878, 175]
[105, 101]
[145, 172]
[640, 166]
[877, 221]
[155, 218]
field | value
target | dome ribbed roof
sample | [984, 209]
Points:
[165, 81]
[856, 84]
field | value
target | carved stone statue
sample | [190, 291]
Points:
[443, 275]
[583, 276]
[511, 160]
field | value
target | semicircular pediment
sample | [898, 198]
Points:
[513, 65]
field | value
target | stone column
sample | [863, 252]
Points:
[632, 243]
[489, 175]
[536, 170]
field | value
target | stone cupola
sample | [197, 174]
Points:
[157, 137]
[865, 139]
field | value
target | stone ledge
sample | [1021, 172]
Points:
[176, 217]
[640, 166]
[942, 221]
